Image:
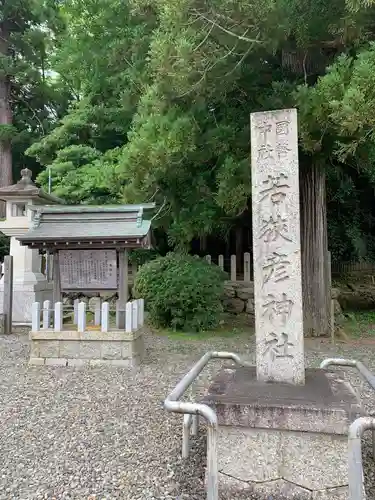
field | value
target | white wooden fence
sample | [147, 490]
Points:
[48, 317]
[232, 267]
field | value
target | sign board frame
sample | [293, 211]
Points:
[88, 270]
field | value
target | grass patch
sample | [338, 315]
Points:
[360, 324]
[230, 326]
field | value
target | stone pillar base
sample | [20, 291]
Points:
[72, 348]
[283, 440]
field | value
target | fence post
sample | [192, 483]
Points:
[76, 302]
[58, 326]
[97, 312]
[246, 268]
[46, 314]
[8, 293]
[105, 317]
[233, 270]
[129, 317]
[35, 317]
[117, 314]
[135, 315]
[81, 317]
[221, 262]
[141, 312]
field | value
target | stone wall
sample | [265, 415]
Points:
[239, 298]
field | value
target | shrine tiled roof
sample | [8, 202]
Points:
[63, 223]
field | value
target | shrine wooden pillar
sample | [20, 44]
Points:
[56, 278]
[123, 286]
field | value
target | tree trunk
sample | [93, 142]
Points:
[316, 299]
[5, 119]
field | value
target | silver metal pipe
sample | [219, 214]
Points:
[366, 374]
[186, 435]
[212, 466]
[195, 425]
[172, 404]
[356, 430]
[363, 370]
[356, 480]
[338, 362]
[207, 413]
[193, 373]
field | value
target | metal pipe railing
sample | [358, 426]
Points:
[356, 430]
[356, 479]
[192, 411]
[363, 370]
[173, 404]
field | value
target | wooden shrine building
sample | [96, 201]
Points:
[89, 244]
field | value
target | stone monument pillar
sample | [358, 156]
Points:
[282, 428]
[277, 248]
[29, 284]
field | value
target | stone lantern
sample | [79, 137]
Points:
[29, 283]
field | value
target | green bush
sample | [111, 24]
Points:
[181, 292]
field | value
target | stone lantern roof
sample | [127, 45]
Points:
[25, 188]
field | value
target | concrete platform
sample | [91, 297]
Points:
[284, 440]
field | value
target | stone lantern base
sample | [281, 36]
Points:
[23, 297]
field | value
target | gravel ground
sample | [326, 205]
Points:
[102, 433]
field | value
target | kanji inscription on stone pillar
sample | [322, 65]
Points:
[276, 247]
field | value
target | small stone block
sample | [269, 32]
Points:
[34, 349]
[49, 349]
[111, 350]
[90, 350]
[120, 363]
[281, 489]
[97, 362]
[262, 449]
[56, 362]
[70, 349]
[126, 351]
[78, 363]
[341, 493]
[311, 472]
[36, 361]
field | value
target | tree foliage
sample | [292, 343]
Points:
[37, 100]
[163, 95]
[163, 92]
